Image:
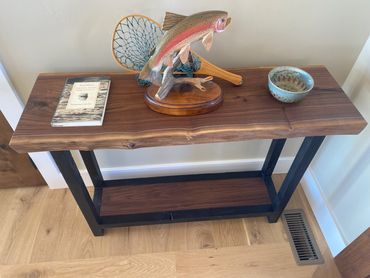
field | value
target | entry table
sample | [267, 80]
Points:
[248, 112]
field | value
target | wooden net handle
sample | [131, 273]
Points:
[208, 68]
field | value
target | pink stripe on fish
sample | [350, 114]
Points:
[180, 37]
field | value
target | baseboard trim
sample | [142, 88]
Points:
[186, 168]
[322, 212]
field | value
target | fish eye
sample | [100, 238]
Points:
[223, 20]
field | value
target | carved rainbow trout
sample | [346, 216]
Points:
[182, 31]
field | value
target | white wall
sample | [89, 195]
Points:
[193, 153]
[75, 35]
[52, 36]
[342, 166]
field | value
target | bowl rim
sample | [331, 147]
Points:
[294, 69]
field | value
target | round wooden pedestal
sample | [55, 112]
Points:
[185, 99]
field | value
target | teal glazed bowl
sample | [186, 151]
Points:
[289, 84]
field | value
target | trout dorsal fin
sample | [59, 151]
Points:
[170, 20]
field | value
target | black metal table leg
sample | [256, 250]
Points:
[69, 170]
[268, 167]
[92, 167]
[273, 156]
[302, 160]
[96, 176]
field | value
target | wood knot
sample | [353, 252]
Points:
[39, 103]
[3, 146]
[242, 98]
[131, 145]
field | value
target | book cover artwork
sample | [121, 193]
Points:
[82, 102]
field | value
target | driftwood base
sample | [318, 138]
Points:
[185, 99]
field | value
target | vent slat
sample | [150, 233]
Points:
[301, 239]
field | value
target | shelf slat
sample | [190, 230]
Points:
[185, 195]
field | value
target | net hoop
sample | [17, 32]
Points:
[117, 29]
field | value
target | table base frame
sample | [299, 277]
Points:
[90, 207]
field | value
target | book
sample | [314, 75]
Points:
[82, 102]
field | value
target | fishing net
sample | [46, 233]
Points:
[134, 40]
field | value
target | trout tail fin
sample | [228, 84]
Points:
[149, 74]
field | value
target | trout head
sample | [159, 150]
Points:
[221, 22]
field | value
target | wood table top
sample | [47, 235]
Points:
[248, 112]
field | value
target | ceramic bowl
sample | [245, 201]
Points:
[289, 84]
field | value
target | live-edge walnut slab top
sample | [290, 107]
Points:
[248, 112]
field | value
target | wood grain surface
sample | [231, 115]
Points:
[16, 170]
[354, 260]
[183, 195]
[248, 112]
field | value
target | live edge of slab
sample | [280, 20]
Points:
[248, 112]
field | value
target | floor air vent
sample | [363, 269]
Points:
[301, 239]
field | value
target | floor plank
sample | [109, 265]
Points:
[229, 233]
[63, 233]
[138, 266]
[260, 231]
[268, 260]
[20, 224]
[152, 238]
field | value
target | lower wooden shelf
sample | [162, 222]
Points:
[177, 194]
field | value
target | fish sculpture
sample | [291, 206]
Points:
[175, 45]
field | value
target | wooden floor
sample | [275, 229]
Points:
[43, 234]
